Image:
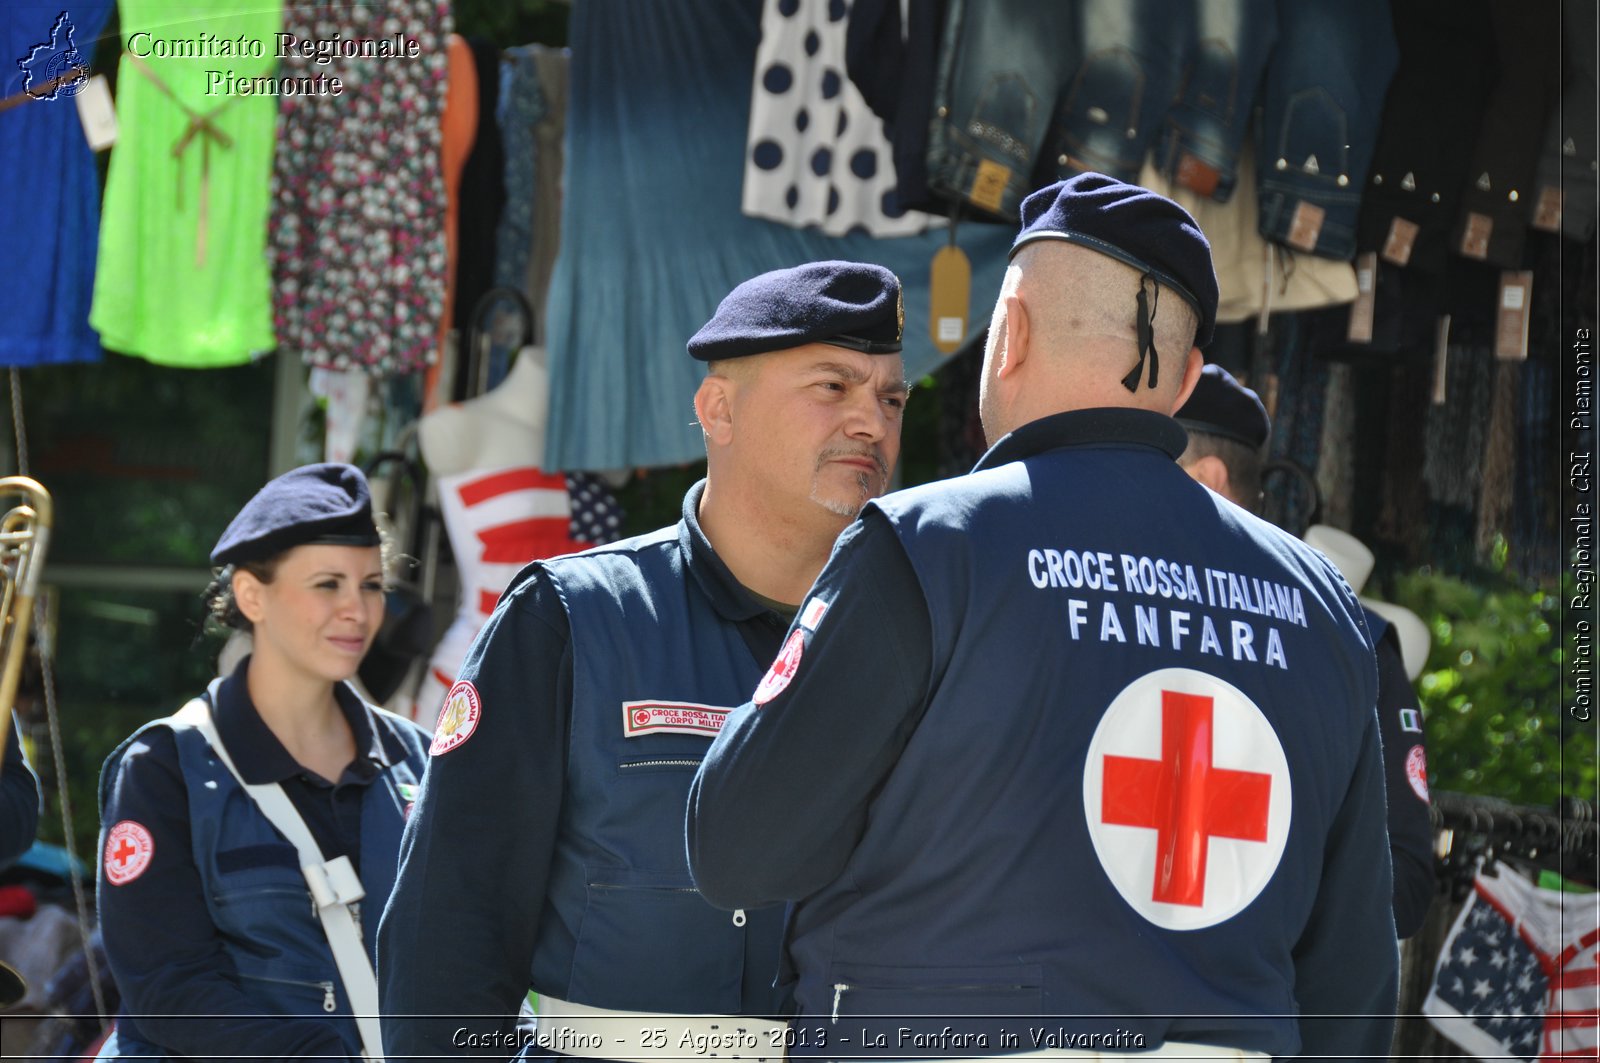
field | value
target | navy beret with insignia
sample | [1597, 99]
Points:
[324, 503]
[1222, 406]
[1133, 225]
[847, 304]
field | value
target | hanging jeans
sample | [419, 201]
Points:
[1321, 101]
[1000, 64]
[1226, 55]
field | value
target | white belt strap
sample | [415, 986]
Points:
[334, 884]
[642, 1037]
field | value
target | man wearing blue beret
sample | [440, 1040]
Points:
[1228, 429]
[546, 849]
[1100, 763]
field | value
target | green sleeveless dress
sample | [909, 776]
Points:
[183, 278]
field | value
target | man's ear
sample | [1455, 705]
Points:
[713, 407]
[247, 592]
[1191, 377]
[1213, 472]
[1018, 331]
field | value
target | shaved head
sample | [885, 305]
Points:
[1082, 301]
[1065, 333]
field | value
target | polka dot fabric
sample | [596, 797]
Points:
[816, 154]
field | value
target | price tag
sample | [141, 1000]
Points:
[97, 114]
[1402, 238]
[1363, 309]
[1511, 324]
[949, 297]
[1306, 226]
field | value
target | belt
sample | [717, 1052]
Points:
[643, 1037]
[1170, 1050]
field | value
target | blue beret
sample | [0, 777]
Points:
[1133, 225]
[1222, 406]
[324, 503]
[848, 304]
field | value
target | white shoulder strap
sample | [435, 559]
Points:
[334, 884]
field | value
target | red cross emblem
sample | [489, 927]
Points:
[1183, 763]
[129, 847]
[1185, 798]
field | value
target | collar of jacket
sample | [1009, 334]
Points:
[1101, 426]
[726, 594]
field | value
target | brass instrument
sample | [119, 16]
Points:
[24, 535]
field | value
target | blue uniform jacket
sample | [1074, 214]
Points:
[1069, 736]
[209, 926]
[547, 847]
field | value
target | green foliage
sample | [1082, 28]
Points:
[1494, 693]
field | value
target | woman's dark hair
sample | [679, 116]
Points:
[222, 609]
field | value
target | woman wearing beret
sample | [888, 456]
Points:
[249, 841]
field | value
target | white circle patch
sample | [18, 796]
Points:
[462, 711]
[1417, 771]
[129, 848]
[1186, 791]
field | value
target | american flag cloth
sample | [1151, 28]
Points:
[1517, 973]
[596, 515]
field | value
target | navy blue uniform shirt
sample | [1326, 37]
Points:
[19, 800]
[1406, 780]
[159, 938]
[948, 870]
[461, 929]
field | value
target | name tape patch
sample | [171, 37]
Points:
[671, 717]
[811, 615]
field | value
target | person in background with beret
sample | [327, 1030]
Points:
[214, 934]
[1069, 736]
[547, 846]
[1228, 428]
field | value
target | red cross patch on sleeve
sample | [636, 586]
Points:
[129, 848]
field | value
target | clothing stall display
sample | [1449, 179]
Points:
[50, 216]
[550, 137]
[1517, 975]
[483, 192]
[817, 153]
[522, 108]
[182, 276]
[499, 509]
[893, 61]
[1568, 165]
[651, 223]
[357, 222]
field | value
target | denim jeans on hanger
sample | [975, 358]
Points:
[1321, 101]
[1227, 53]
[1110, 110]
[1000, 64]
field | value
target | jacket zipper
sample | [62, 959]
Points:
[658, 763]
[739, 918]
[839, 990]
[329, 1001]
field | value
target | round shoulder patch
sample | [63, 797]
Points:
[783, 669]
[1417, 771]
[1186, 794]
[462, 711]
[129, 848]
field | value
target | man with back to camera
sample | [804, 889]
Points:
[1228, 429]
[1098, 745]
[546, 848]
